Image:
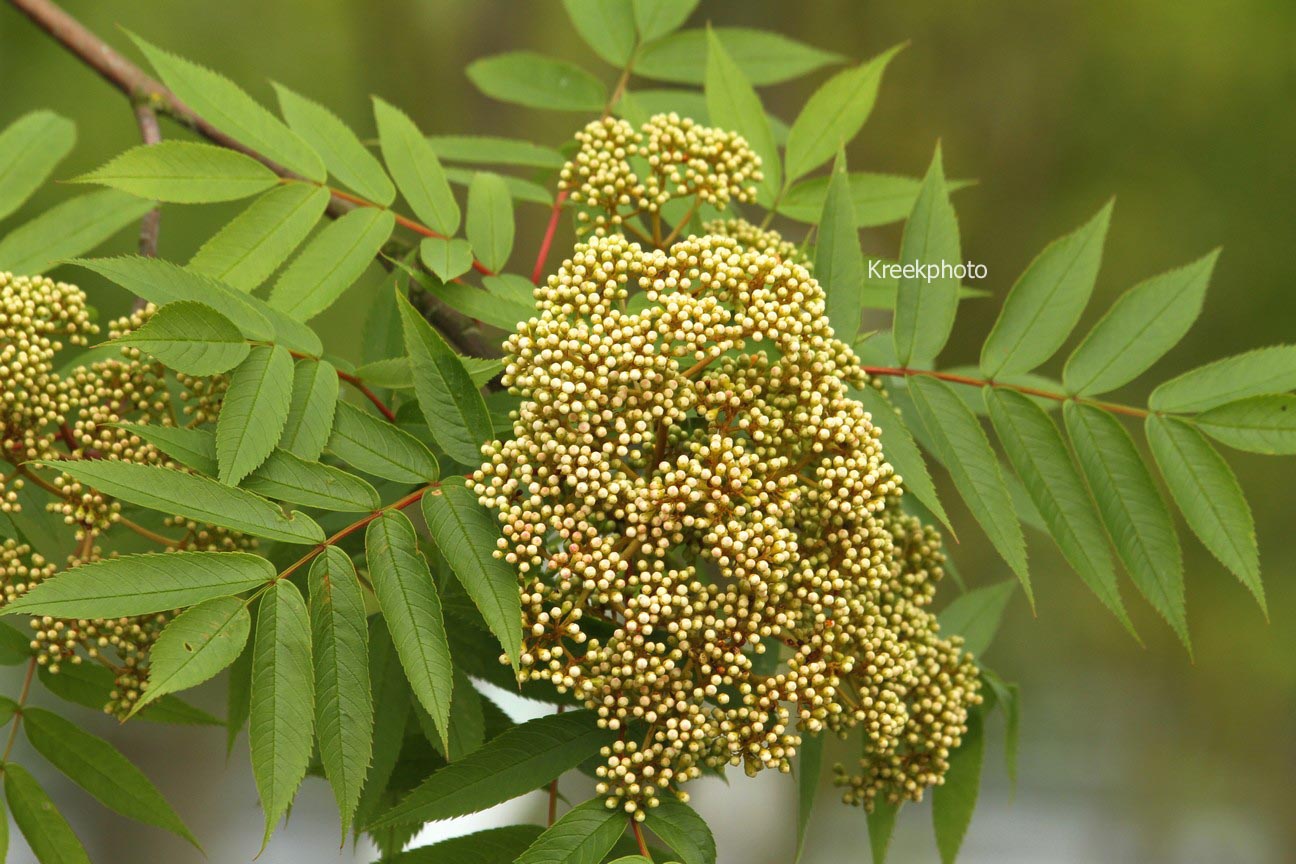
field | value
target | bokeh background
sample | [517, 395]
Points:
[1185, 110]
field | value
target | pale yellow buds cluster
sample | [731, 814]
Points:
[708, 536]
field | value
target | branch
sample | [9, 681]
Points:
[368, 394]
[902, 372]
[151, 224]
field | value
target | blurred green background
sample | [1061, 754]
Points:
[1183, 109]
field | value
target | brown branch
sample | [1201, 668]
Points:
[903, 372]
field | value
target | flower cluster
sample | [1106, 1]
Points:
[621, 173]
[708, 535]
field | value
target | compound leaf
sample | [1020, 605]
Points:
[253, 411]
[764, 57]
[331, 262]
[1258, 424]
[311, 409]
[536, 81]
[48, 834]
[345, 157]
[30, 148]
[489, 225]
[976, 615]
[1255, 373]
[584, 835]
[683, 830]
[954, 800]
[69, 228]
[732, 103]
[839, 261]
[417, 171]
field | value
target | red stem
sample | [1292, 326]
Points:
[902, 372]
[416, 227]
[552, 228]
[369, 394]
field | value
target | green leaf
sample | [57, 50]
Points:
[1046, 301]
[238, 697]
[1255, 373]
[763, 56]
[30, 148]
[839, 261]
[489, 225]
[448, 259]
[15, 648]
[395, 374]
[732, 103]
[656, 18]
[69, 228]
[391, 691]
[499, 312]
[536, 81]
[282, 716]
[976, 615]
[48, 834]
[682, 829]
[467, 722]
[809, 769]
[492, 846]
[584, 835]
[607, 26]
[193, 448]
[877, 199]
[91, 686]
[142, 584]
[310, 412]
[196, 645]
[901, 451]
[100, 769]
[1132, 509]
[285, 477]
[954, 800]
[253, 412]
[410, 603]
[925, 308]
[518, 189]
[1146, 322]
[331, 262]
[183, 172]
[416, 169]
[199, 498]
[161, 282]
[454, 408]
[466, 534]
[226, 106]
[345, 157]
[881, 825]
[1039, 455]
[492, 150]
[254, 243]
[1259, 424]
[834, 115]
[343, 706]
[523, 758]
[962, 446]
[379, 448]
[1208, 495]
[190, 337]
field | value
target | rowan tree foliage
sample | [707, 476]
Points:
[655, 475]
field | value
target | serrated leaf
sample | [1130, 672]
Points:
[48, 834]
[415, 167]
[877, 199]
[482, 306]
[448, 259]
[254, 243]
[607, 26]
[1210, 498]
[809, 768]
[954, 799]
[489, 226]
[69, 228]
[1259, 424]
[682, 829]
[1046, 301]
[285, 477]
[100, 769]
[142, 584]
[584, 835]
[834, 115]
[238, 696]
[199, 498]
[391, 691]
[331, 262]
[394, 373]
[491, 846]
[343, 705]
[925, 308]
[763, 56]
[91, 686]
[466, 535]
[454, 408]
[1040, 457]
[838, 260]
[190, 337]
[523, 758]
[732, 103]
[1146, 322]
[30, 148]
[901, 451]
[493, 150]
[226, 106]
[1255, 373]
[976, 615]
[1132, 510]
[536, 81]
[345, 157]
[195, 646]
[467, 721]
[253, 411]
[379, 448]
[656, 18]
[311, 409]
[183, 172]
[409, 601]
[965, 450]
[881, 825]
[15, 648]
[518, 189]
